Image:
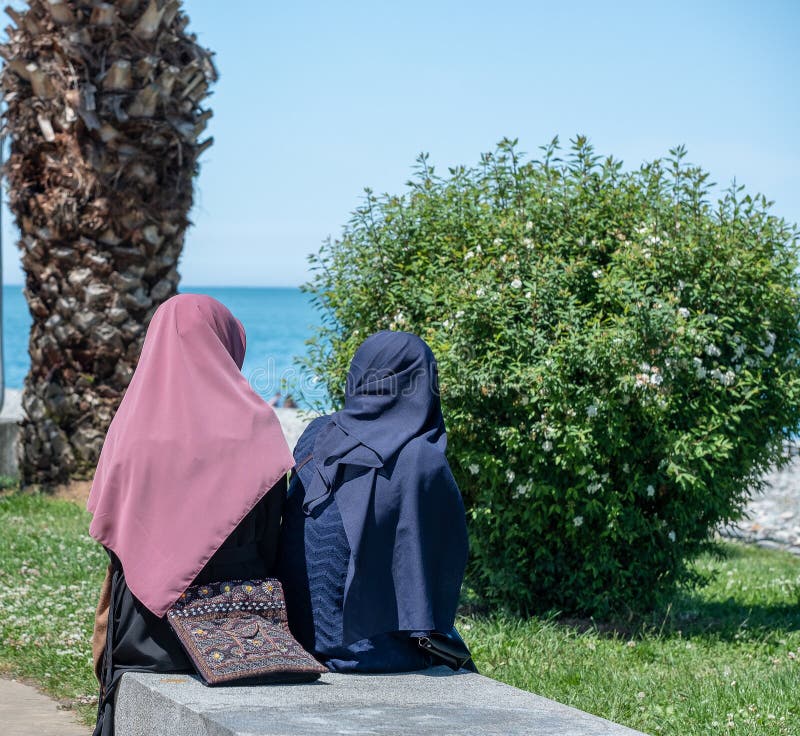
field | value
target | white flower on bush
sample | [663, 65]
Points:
[591, 410]
[578, 521]
[510, 475]
[728, 378]
[527, 242]
[642, 380]
[524, 400]
[672, 536]
[597, 273]
[527, 295]
[446, 324]
[699, 368]
[469, 254]
[768, 350]
[498, 242]
[656, 379]
[474, 469]
[547, 445]
[681, 285]
[523, 489]
[651, 491]
[480, 291]
[478, 249]
[529, 226]
[594, 487]
[459, 314]
[683, 312]
[713, 351]
[516, 284]
[626, 468]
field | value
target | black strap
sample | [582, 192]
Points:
[448, 649]
[105, 704]
[302, 463]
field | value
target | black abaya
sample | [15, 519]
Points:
[139, 641]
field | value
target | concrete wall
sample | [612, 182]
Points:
[9, 431]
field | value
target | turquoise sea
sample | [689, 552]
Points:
[278, 321]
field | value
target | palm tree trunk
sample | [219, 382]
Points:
[103, 107]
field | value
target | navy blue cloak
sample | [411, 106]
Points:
[374, 543]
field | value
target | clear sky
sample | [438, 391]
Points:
[317, 100]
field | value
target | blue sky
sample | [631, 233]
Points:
[317, 100]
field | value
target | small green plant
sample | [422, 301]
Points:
[618, 358]
[8, 482]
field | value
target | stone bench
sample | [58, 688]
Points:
[436, 701]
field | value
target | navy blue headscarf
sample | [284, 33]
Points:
[383, 455]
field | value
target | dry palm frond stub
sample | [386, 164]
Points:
[103, 108]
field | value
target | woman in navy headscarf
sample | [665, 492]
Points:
[374, 542]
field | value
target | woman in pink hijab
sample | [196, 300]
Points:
[188, 490]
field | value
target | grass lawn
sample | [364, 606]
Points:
[725, 659]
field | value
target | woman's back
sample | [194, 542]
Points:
[144, 640]
[374, 541]
[313, 563]
[188, 488]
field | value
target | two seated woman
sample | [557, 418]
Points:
[191, 488]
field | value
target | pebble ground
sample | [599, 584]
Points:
[772, 518]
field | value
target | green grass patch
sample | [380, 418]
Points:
[50, 576]
[724, 659]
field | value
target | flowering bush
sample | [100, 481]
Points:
[618, 358]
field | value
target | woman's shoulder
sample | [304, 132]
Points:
[305, 445]
[422, 447]
[426, 457]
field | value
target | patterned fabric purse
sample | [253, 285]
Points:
[237, 630]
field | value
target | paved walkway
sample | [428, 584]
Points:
[26, 712]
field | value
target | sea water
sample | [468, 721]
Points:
[278, 321]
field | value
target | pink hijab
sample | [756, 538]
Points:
[192, 449]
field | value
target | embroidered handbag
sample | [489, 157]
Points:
[237, 630]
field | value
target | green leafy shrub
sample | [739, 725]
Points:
[618, 358]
